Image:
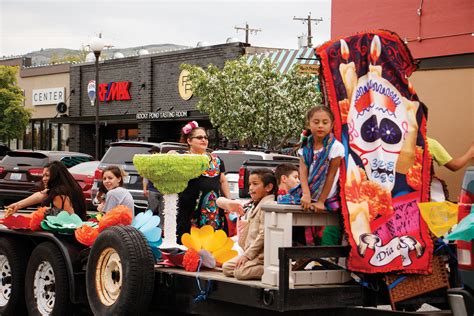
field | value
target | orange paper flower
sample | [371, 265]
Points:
[414, 173]
[86, 235]
[119, 215]
[36, 218]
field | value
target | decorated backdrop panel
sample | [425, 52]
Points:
[386, 171]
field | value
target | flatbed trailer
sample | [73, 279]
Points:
[52, 274]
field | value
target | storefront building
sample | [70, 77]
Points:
[43, 88]
[142, 97]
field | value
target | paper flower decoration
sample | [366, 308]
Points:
[191, 260]
[170, 173]
[36, 218]
[16, 222]
[119, 215]
[64, 223]
[86, 235]
[207, 242]
[148, 223]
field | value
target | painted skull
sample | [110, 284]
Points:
[377, 124]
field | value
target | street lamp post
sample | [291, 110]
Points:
[97, 46]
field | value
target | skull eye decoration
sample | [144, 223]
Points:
[370, 130]
[390, 132]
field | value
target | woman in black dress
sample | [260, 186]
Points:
[197, 203]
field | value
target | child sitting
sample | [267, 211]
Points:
[248, 266]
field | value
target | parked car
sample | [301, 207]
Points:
[21, 171]
[234, 159]
[3, 150]
[462, 299]
[121, 154]
[83, 173]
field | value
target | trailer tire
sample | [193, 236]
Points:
[13, 259]
[47, 285]
[120, 273]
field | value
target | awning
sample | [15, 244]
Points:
[286, 58]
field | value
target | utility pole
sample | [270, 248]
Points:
[309, 20]
[247, 30]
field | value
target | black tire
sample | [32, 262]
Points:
[13, 259]
[120, 273]
[47, 265]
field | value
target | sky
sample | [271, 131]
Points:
[29, 25]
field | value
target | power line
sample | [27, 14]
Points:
[309, 20]
[247, 29]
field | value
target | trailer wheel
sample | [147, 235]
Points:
[120, 273]
[13, 259]
[46, 285]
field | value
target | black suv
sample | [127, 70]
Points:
[21, 171]
[121, 154]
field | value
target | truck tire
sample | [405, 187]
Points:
[46, 285]
[13, 259]
[120, 273]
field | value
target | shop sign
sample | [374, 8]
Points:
[184, 85]
[114, 91]
[161, 115]
[48, 96]
[308, 69]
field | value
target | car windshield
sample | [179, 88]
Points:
[123, 154]
[233, 162]
[25, 159]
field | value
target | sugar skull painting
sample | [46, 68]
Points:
[382, 125]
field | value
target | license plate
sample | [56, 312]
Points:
[234, 187]
[15, 176]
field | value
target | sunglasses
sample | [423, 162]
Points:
[200, 137]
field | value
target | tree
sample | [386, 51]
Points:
[13, 116]
[254, 104]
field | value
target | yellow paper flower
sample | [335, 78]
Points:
[215, 242]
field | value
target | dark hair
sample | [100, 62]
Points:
[184, 137]
[309, 115]
[267, 176]
[60, 183]
[284, 169]
[116, 171]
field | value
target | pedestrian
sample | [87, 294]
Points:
[155, 197]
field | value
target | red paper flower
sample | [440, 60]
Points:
[119, 215]
[16, 222]
[191, 260]
[36, 218]
[281, 192]
[86, 235]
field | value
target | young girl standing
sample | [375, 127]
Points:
[262, 187]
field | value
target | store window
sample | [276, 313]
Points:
[54, 136]
[28, 138]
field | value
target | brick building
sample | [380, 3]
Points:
[144, 102]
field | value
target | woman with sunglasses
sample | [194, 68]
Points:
[197, 203]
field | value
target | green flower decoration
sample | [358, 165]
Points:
[64, 223]
[170, 173]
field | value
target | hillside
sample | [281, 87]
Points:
[43, 56]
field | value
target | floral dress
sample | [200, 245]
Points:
[197, 203]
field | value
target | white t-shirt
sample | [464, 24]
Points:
[337, 150]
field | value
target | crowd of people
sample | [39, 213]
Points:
[206, 200]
